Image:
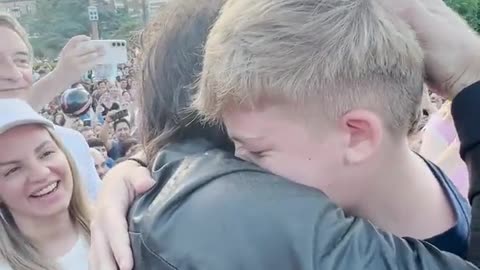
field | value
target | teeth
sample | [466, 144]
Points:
[46, 190]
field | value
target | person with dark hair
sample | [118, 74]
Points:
[127, 145]
[59, 119]
[87, 132]
[207, 210]
[122, 132]
[102, 148]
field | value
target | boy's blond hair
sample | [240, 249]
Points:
[336, 55]
[8, 21]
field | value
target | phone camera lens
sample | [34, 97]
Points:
[114, 44]
[123, 44]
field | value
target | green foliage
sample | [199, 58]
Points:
[469, 9]
[56, 21]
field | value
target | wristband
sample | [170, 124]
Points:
[138, 161]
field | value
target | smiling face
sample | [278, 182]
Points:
[16, 75]
[35, 176]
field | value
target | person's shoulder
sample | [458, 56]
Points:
[224, 208]
[64, 132]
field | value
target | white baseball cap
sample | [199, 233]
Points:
[16, 112]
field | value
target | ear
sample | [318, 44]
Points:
[364, 131]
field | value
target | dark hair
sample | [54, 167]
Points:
[173, 46]
[121, 120]
[95, 143]
[127, 144]
[62, 120]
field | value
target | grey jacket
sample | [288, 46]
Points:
[211, 211]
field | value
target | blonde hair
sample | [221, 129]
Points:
[17, 250]
[8, 21]
[335, 55]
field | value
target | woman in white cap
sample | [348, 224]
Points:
[43, 209]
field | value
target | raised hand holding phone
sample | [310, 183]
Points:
[77, 57]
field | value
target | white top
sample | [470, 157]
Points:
[75, 259]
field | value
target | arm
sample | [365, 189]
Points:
[104, 134]
[110, 243]
[76, 58]
[254, 220]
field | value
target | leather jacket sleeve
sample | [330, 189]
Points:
[466, 115]
[247, 219]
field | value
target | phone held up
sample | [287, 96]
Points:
[115, 51]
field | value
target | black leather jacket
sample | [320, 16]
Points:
[466, 115]
[215, 212]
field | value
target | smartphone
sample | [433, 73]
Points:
[115, 51]
[119, 115]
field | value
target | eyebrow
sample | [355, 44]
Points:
[37, 149]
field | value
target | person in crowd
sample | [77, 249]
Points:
[130, 81]
[100, 162]
[88, 133]
[135, 148]
[127, 96]
[346, 119]
[180, 144]
[44, 215]
[59, 119]
[102, 148]
[97, 128]
[16, 82]
[123, 85]
[128, 147]
[121, 129]
[99, 91]
[109, 102]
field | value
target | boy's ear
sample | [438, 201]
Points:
[364, 132]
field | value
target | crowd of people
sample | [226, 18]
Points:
[253, 134]
[109, 125]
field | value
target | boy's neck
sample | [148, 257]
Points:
[406, 199]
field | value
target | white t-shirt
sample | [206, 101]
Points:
[75, 259]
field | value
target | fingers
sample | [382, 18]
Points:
[89, 60]
[143, 181]
[86, 48]
[75, 41]
[119, 241]
[100, 257]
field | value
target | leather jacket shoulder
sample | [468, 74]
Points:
[211, 211]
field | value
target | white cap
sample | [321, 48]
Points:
[16, 112]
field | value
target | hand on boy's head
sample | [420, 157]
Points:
[450, 45]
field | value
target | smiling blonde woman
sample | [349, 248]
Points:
[43, 211]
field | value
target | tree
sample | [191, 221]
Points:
[56, 21]
[469, 10]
